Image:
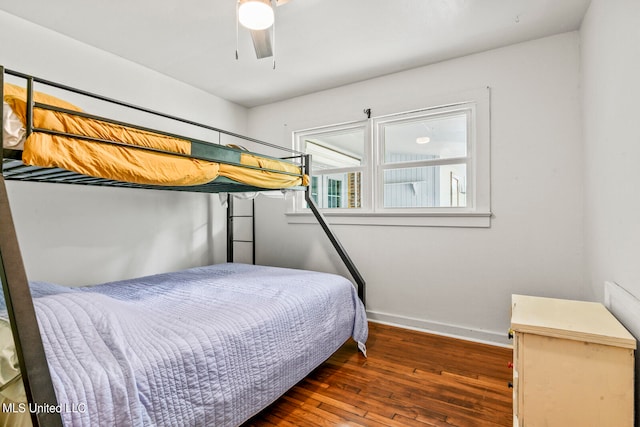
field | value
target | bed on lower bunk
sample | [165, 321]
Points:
[207, 346]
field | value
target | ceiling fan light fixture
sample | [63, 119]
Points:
[256, 14]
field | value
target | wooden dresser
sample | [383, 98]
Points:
[573, 364]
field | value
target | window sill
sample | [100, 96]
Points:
[459, 219]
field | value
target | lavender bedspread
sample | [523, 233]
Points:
[209, 346]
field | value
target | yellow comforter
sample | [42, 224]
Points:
[123, 163]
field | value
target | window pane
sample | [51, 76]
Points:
[334, 193]
[426, 187]
[436, 137]
[338, 149]
[341, 190]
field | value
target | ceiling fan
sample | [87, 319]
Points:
[259, 18]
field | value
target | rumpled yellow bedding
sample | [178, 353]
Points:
[128, 164]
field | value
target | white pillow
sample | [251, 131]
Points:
[12, 130]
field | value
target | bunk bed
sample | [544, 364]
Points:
[211, 345]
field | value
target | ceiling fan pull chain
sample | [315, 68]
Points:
[237, 24]
[274, 42]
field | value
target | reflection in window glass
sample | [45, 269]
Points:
[338, 190]
[436, 137]
[426, 187]
[333, 150]
[336, 162]
[334, 193]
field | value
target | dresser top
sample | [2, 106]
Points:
[575, 320]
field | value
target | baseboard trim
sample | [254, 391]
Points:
[439, 328]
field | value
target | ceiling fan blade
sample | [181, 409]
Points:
[262, 43]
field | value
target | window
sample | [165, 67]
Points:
[338, 154]
[426, 157]
[424, 167]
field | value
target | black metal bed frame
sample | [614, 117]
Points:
[43, 404]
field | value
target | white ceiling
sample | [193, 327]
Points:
[320, 44]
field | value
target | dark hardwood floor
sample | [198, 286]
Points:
[409, 379]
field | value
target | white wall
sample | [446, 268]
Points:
[456, 280]
[611, 77]
[610, 49]
[77, 235]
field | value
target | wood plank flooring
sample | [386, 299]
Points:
[409, 379]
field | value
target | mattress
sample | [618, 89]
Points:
[135, 158]
[206, 346]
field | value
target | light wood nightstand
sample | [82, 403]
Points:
[573, 364]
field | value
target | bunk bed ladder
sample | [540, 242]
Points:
[231, 239]
[346, 259]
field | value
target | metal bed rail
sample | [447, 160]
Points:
[33, 79]
[205, 150]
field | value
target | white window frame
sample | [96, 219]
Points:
[477, 212]
[379, 123]
[366, 190]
